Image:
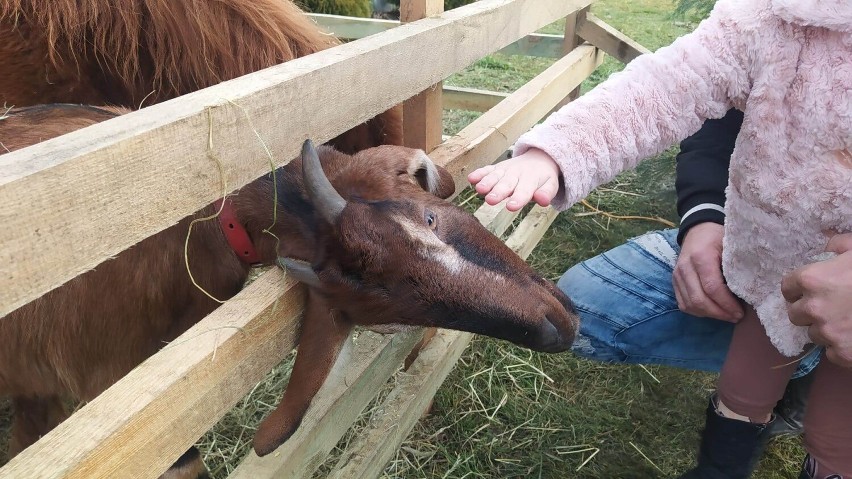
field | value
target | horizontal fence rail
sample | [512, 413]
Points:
[351, 28]
[140, 425]
[591, 28]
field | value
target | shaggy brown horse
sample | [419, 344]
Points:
[133, 53]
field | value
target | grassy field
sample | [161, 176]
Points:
[505, 412]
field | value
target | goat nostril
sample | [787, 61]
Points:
[231, 225]
[549, 333]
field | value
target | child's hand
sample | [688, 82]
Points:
[532, 175]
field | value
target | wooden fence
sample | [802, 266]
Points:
[140, 173]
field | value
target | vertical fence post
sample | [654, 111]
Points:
[572, 41]
[421, 116]
[422, 119]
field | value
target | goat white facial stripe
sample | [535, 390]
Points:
[440, 252]
[432, 247]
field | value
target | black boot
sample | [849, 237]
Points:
[791, 408]
[809, 470]
[729, 448]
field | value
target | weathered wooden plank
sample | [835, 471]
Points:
[496, 130]
[496, 218]
[411, 10]
[360, 371]
[422, 113]
[139, 426]
[471, 99]
[351, 28]
[614, 43]
[422, 117]
[572, 41]
[403, 407]
[83, 197]
[531, 229]
[367, 456]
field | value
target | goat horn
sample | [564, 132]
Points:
[325, 198]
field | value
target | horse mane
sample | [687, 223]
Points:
[144, 42]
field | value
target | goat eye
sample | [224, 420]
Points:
[431, 219]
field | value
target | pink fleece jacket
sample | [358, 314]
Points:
[788, 65]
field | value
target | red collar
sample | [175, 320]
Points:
[235, 233]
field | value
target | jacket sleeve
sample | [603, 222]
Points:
[658, 100]
[702, 171]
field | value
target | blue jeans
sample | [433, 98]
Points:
[629, 314]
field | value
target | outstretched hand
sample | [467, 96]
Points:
[533, 175]
[699, 286]
[819, 296]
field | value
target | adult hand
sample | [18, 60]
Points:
[699, 286]
[819, 296]
[530, 176]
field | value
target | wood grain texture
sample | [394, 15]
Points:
[411, 10]
[571, 41]
[83, 197]
[375, 445]
[534, 44]
[422, 113]
[139, 426]
[496, 218]
[531, 229]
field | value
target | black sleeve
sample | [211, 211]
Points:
[702, 171]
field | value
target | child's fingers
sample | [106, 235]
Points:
[478, 174]
[489, 180]
[502, 189]
[546, 192]
[506, 185]
[523, 193]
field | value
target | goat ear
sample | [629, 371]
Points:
[323, 336]
[300, 270]
[431, 177]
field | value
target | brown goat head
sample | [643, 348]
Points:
[391, 252]
[415, 259]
